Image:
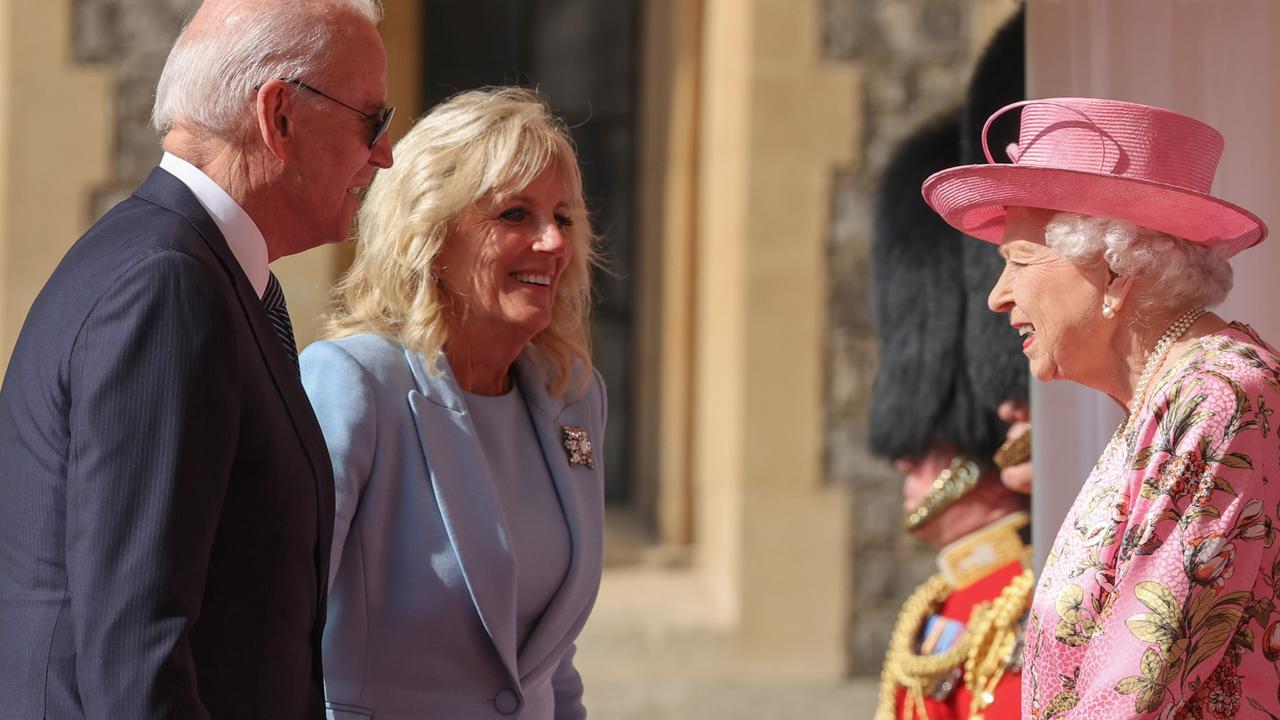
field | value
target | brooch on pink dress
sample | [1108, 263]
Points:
[578, 445]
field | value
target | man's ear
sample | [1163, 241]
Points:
[273, 109]
[1119, 288]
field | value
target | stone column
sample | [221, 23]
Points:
[667, 204]
[55, 127]
[772, 534]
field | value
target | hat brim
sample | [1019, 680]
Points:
[973, 199]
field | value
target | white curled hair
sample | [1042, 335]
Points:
[1179, 273]
[210, 76]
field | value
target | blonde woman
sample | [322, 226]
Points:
[464, 421]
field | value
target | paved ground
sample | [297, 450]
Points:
[652, 652]
[855, 701]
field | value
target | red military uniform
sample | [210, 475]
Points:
[944, 652]
[945, 367]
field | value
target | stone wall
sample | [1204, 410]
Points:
[131, 39]
[915, 57]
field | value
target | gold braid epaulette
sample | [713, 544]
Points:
[906, 669]
[995, 640]
[984, 649]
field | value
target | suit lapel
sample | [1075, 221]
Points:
[168, 192]
[468, 502]
[573, 598]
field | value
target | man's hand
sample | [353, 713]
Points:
[1016, 477]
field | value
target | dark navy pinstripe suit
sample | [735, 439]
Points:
[166, 500]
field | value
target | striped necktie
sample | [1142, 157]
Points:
[273, 302]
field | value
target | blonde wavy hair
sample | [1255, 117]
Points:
[482, 143]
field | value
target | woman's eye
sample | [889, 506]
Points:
[564, 221]
[515, 214]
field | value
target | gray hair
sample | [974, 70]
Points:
[1179, 273]
[211, 73]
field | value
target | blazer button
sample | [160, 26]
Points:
[506, 702]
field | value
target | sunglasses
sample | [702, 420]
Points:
[383, 116]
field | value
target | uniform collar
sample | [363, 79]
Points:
[976, 555]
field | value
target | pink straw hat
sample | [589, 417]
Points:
[1106, 158]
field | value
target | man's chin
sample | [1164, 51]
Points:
[928, 533]
[303, 247]
[337, 236]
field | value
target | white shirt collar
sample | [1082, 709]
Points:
[243, 236]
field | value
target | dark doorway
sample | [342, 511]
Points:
[582, 55]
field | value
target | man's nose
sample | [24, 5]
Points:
[380, 156]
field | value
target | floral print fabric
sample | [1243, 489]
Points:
[1159, 596]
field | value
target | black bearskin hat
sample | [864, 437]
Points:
[946, 360]
[993, 352]
[999, 79]
[922, 393]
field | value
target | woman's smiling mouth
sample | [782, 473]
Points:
[1028, 332]
[533, 279]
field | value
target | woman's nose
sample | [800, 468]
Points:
[553, 239]
[1000, 300]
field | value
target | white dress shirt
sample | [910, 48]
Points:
[242, 235]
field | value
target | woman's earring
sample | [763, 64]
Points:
[1107, 312]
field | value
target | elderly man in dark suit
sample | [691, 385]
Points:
[168, 499]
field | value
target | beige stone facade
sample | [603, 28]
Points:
[55, 127]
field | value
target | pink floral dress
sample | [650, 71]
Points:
[1159, 596]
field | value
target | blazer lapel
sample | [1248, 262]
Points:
[576, 593]
[468, 502]
[168, 192]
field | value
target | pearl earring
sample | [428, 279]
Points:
[1107, 312]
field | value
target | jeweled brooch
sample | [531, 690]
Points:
[578, 445]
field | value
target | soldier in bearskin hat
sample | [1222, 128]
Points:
[946, 364]
[999, 379]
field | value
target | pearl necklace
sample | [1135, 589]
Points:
[1154, 361]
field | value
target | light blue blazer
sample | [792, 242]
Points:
[422, 600]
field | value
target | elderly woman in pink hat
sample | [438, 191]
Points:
[1158, 596]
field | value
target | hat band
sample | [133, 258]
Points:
[986, 128]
